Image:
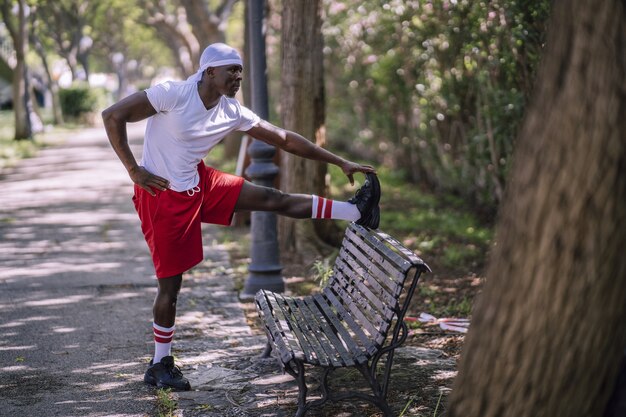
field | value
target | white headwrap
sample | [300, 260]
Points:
[216, 55]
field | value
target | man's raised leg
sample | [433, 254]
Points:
[362, 208]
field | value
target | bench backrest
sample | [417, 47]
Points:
[369, 283]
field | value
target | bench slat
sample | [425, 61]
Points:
[370, 288]
[304, 346]
[329, 333]
[313, 319]
[357, 319]
[368, 342]
[380, 252]
[385, 297]
[383, 278]
[315, 353]
[408, 254]
[358, 305]
[277, 333]
[358, 352]
[284, 325]
[372, 257]
[387, 245]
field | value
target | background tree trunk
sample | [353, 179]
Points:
[187, 27]
[302, 110]
[548, 332]
[22, 106]
[52, 84]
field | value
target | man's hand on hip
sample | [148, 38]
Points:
[146, 180]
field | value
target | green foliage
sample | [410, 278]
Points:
[322, 271]
[166, 404]
[436, 88]
[12, 150]
[438, 226]
[119, 27]
[434, 304]
[78, 100]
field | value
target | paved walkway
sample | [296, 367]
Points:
[76, 291]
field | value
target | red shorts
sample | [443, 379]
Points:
[171, 220]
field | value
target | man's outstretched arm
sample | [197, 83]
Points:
[298, 145]
[133, 108]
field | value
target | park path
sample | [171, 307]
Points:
[75, 284]
[76, 291]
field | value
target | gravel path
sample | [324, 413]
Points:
[76, 285]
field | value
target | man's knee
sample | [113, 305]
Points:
[165, 297]
[168, 290]
[274, 199]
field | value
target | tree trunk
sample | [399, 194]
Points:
[208, 26]
[302, 108]
[187, 31]
[52, 84]
[548, 331]
[22, 106]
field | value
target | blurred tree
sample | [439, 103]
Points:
[434, 89]
[68, 24]
[547, 333]
[186, 27]
[127, 48]
[38, 40]
[302, 110]
[15, 17]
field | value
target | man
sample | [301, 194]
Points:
[175, 191]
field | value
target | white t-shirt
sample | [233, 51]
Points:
[183, 131]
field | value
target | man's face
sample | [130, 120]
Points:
[227, 79]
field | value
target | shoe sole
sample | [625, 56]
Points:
[149, 380]
[152, 381]
[373, 219]
[373, 178]
[186, 388]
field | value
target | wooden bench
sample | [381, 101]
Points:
[355, 321]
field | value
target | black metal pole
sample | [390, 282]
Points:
[265, 268]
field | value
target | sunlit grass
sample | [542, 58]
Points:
[166, 404]
[12, 150]
[439, 227]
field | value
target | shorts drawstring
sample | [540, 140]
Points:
[193, 191]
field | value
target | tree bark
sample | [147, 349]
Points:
[22, 106]
[187, 27]
[548, 331]
[302, 110]
[52, 84]
[208, 26]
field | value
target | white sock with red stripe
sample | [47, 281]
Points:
[323, 208]
[162, 341]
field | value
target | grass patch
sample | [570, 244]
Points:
[439, 227]
[166, 405]
[12, 151]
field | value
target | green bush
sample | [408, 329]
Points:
[435, 89]
[77, 100]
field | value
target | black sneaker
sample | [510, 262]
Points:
[366, 200]
[166, 375]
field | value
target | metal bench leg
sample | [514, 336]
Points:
[379, 399]
[268, 350]
[302, 390]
